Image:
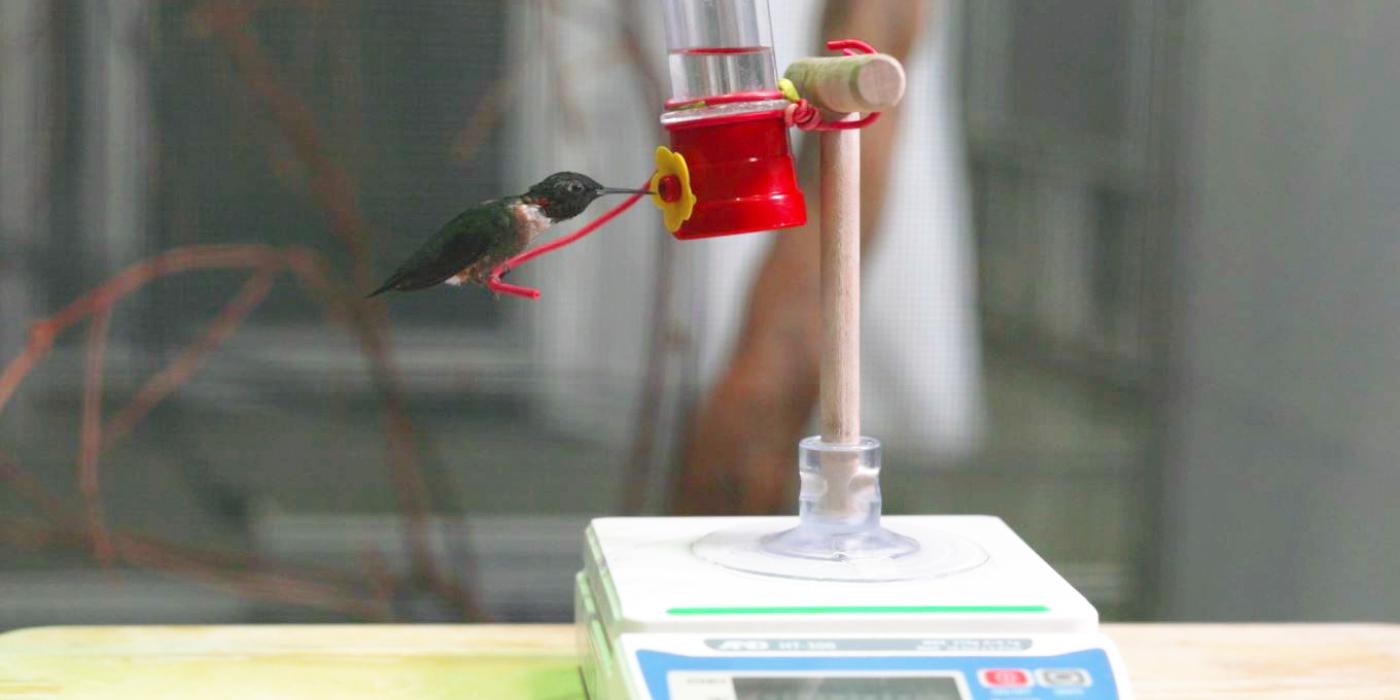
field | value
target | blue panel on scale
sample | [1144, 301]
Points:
[1084, 675]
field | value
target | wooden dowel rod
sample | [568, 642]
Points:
[844, 84]
[840, 269]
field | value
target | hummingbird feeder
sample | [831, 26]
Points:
[727, 123]
[729, 168]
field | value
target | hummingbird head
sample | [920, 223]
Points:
[565, 195]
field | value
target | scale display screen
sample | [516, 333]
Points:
[847, 688]
[718, 685]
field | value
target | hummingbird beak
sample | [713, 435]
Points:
[622, 190]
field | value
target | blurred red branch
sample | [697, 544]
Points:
[199, 257]
[90, 435]
[334, 192]
[330, 183]
[179, 370]
[97, 305]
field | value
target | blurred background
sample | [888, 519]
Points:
[1133, 291]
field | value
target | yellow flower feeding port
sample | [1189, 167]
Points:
[670, 187]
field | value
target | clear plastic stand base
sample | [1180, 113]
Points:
[838, 536]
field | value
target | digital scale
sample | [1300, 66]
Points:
[655, 621]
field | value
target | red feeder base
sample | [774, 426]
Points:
[742, 174]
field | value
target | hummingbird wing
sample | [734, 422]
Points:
[461, 242]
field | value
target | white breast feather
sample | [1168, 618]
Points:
[531, 220]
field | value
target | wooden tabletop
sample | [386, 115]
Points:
[513, 662]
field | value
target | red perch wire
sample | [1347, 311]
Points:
[496, 285]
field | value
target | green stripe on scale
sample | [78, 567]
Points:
[862, 609]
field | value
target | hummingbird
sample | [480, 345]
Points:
[474, 242]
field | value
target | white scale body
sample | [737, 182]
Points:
[656, 622]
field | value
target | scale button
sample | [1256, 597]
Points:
[1004, 677]
[1064, 677]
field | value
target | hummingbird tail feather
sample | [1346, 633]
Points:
[392, 283]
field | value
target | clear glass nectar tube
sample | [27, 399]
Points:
[719, 47]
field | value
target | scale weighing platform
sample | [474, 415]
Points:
[657, 622]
